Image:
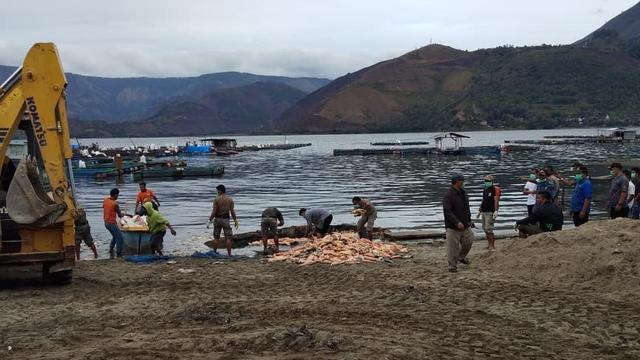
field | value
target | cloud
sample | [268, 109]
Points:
[325, 38]
[165, 62]
[599, 11]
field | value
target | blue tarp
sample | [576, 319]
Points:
[209, 255]
[193, 149]
[146, 258]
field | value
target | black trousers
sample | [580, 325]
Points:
[530, 209]
[624, 212]
[577, 221]
[325, 225]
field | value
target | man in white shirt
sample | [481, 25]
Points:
[530, 190]
[632, 189]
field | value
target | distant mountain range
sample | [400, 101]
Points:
[440, 88]
[430, 89]
[239, 110]
[96, 102]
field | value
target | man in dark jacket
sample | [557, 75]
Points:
[457, 219]
[547, 216]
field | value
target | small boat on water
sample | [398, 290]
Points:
[456, 149]
[179, 172]
[95, 169]
[133, 169]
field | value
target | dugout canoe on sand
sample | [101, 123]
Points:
[293, 232]
[413, 235]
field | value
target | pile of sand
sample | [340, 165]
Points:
[600, 255]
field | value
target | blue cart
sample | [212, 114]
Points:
[136, 242]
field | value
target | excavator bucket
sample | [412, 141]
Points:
[27, 201]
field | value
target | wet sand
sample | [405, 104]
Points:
[504, 305]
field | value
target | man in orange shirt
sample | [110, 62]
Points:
[111, 209]
[145, 195]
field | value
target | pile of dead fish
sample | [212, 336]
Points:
[134, 223]
[340, 248]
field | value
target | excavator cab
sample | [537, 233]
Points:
[36, 191]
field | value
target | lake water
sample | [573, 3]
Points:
[406, 190]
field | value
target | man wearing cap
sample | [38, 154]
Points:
[489, 209]
[457, 219]
[617, 203]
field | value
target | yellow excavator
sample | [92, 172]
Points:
[37, 204]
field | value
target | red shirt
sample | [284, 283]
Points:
[109, 210]
[145, 196]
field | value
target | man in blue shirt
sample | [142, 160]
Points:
[581, 199]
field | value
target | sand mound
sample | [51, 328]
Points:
[600, 255]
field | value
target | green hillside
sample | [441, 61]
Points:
[439, 88]
[554, 86]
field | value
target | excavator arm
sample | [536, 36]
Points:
[33, 98]
[37, 224]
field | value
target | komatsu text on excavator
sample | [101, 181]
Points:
[36, 195]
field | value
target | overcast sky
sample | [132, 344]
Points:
[324, 38]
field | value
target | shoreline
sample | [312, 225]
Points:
[346, 133]
[571, 294]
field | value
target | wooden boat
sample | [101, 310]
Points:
[179, 172]
[244, 239]
[93, 170]
[105, 174]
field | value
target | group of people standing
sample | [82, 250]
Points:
[544, 211]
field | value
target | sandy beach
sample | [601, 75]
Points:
[566, 295]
